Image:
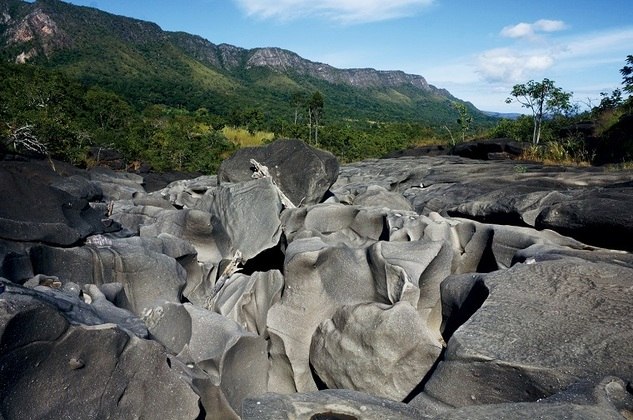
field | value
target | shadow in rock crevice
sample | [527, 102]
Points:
[420, 387]
[317, 380]
[267, 260]
[461, 297]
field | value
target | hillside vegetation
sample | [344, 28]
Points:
[137, 88]
[173, 100]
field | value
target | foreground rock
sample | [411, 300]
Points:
[394, 338]
[542, 327]
[219, 301]
[52, 369]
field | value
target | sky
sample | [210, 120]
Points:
[477, 50]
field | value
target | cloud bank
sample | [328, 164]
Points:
[506, 65]
[342, 11]
[531, 30]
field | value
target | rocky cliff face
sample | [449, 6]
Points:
[283, 60]
[36, 32]
[47, 27]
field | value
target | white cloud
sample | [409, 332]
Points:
[506, 65]
[546, 25]
[344, 11]
[596, 44]
[530, 30]
[570, 60]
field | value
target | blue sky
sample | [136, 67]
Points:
[476, 49]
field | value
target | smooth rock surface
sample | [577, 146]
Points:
[333, 404]
[542, 327]
[303, 173]
[379, 349]
[54, 216]
[89, 372]
[362, 291]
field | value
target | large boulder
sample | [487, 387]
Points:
[536, 329]
[33, 210]
[601, 217]
[245, 217]
[383, 350]
[147, 276]
[52, 369]
[303, 173]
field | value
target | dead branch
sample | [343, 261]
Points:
[262, 171]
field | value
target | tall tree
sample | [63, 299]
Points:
[464, 120]
[315, 111]
[297, 100]
[627, 75]
[543, 99]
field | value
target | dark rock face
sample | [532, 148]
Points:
[542, 327]
[603, 217]
[492, 149]
[303, 174]
[421, 288]
[504, 192]
[93, 371]
[33, 210]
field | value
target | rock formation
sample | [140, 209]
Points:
[412, 287]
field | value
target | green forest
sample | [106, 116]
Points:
[166, 100]
[48, 113]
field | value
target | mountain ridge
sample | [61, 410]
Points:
[119, 51]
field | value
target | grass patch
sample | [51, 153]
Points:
[244, 138]
[556, 153]
[429, 141]
[616, 167]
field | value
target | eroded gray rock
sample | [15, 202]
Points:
[70, 305]
[377, 196]
[543, 327]
[247, 299]
[303, 173]
[608, 400]
[54, 216]
[245, 217]
[237, 359]
[332, 403]
[147, 276]
[89, 372]
[383, 350]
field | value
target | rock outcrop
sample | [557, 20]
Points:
[399, 288]
[288, 162]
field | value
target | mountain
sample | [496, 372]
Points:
[147, 65]
[506, 115]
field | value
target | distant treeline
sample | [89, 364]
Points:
[67, 117]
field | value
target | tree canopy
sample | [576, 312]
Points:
[627, 75]
[543, 99]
